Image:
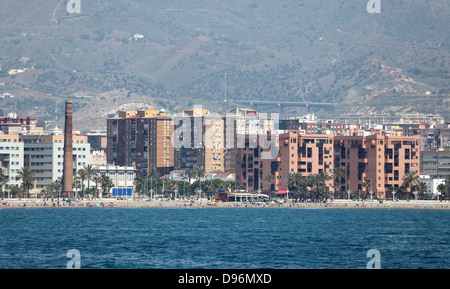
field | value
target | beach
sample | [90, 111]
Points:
[204, 203]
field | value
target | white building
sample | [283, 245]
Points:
[432, 183]
[11, 158]
[122, 177]
[44, 155]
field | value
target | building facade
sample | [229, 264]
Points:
[141, 139]
[44, 155]
[383, 159]
[11, 158]
[435, 163]
[199, 141]
[121, 176]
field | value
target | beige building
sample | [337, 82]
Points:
[199, 140]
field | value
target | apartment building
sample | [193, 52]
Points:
[308, 124]
[242, 122]
[385, 159]
[399, 118]
[297, 153]
[431, 137]
[435, 163]
[200, 140]
[12, 124]
[141, 139]
[11, 157]
[44, 155]
[97, 139]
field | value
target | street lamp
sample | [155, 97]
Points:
[348, 193]
[371, 193]
[393, 195]
[415, 195]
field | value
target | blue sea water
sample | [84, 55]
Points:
[224, 238]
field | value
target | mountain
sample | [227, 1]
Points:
[173, 55]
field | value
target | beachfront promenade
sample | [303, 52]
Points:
[204, 203]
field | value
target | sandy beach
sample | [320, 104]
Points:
[204, 203]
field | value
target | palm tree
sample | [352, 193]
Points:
[367, 183]
[83, 175]
[106, 184]
[140, 184]
[422, 188]
[270, 178]
[200, 173]
[76, 184]
[27, 176]
[90, 173]
[410, 179]
[296, 184]
[172, 186]
[3, 181]
[339, 174]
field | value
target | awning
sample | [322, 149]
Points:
[282, 192]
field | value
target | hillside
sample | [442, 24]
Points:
[310, 50]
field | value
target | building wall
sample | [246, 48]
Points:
[122, 176]
[383, 159]
[44, 154]
[11, 157]
[143, 142]
[205, 141]
[435, 163]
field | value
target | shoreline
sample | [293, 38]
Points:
[203, 203]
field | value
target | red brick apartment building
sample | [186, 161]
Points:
[383, 159]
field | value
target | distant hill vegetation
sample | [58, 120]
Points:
[172, 54]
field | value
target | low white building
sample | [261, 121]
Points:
[432, 183]
[122, 177]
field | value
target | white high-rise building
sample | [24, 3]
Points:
[11, 158]
[44, 155]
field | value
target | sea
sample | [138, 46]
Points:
[223, 238]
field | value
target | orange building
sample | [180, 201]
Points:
[382, 158]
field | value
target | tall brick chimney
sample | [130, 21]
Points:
[67, 189]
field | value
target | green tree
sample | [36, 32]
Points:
[271, 179]
[411, 179]
[3, 182]
[26, 175]
[90, 173]
[366, 184]
[340, 176]
[200, 173]
[422, 188]
[83, 176]
[106, 184]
